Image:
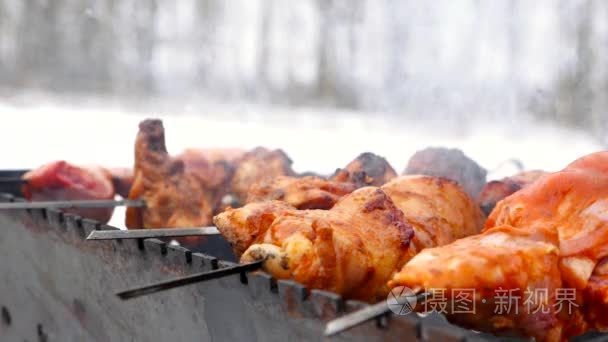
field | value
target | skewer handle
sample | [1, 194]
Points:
[195, 278]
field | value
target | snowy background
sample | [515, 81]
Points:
[322, 79]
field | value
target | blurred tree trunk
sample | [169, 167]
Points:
[37, 61]
[263, 58]
[326, 86]
[397, 29]
[145, 41]
[583, 94]
[573, 94]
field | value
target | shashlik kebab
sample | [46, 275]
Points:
[176, 196]
[186, 190]
[548, 236]
[88, 190]
[63, 181]
[260, 174]
[316, 236]
[355, 247]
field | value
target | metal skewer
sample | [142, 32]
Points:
[195, 278]
[73, 204]
[353, 319]
[150, 233]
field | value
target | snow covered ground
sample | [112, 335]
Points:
[316, 139]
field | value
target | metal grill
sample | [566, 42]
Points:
[56, 287]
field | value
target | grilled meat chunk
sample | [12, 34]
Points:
[122, 179]
[595, 297]
[437, 208]
[367, 169]
[174, 196]
[258, 165]
[503, 258]
[360, 242]
[314, 192]
[302, 193]
[215, 167]
[448, 163]
[242, 226]
[494, 191]
[574, 203]
[552, 234]
[60, 180]
[351, 249]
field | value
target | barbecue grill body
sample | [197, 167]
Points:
[55, 286]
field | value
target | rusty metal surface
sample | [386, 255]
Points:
[54, 286]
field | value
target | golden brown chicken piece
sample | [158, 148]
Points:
[302, 193]
[494, 191]
[363, 228]
[351, 249]
[438, 209]
[215, 167]
[259, 165]
[174, 196]
[215, 172]
[314, 192]
[564, 214]
[488, 269]
[448, 163]
[242, 226]
[366, 169]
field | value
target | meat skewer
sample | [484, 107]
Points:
[191, 279]
[151, 233]
[549, 236]
[366, 314]
[303, 193]
[73, 204]
[354, 248]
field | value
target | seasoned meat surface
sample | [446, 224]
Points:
[174, 196]
[60, 180]
[256, 166]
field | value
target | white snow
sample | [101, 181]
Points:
[318, 140]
